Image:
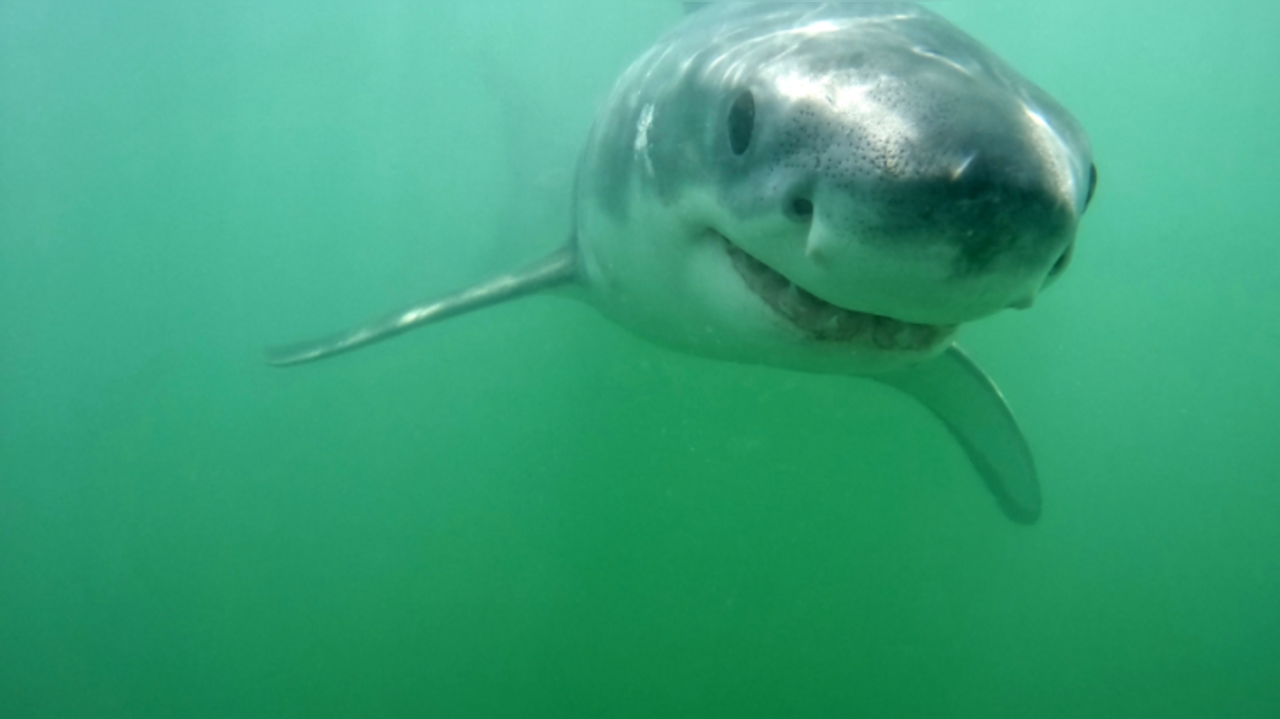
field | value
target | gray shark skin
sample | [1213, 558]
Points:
[821, 187]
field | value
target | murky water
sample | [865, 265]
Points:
[528, 512]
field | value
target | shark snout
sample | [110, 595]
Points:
[970, 209]
[943, 249]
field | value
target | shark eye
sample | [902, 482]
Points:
[1062, 263]
[1093, 184]
[742, 121]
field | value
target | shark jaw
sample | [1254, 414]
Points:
[822, 321]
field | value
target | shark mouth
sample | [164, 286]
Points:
[826, 322]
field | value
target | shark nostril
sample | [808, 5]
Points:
[800, 209]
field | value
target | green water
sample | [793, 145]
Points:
[529, 513]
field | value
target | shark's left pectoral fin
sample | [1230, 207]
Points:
[559, 268]
[970, 405]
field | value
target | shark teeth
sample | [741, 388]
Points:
[826, 322]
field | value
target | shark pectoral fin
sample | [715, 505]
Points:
[556, 269]
[970, 405]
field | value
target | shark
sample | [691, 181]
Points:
[830, 188]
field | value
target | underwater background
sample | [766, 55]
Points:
[528, 512]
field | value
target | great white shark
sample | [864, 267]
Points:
[822, 187]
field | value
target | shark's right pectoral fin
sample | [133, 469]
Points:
[969, 404]
[559, 268]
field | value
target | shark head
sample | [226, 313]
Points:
[832, 187]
